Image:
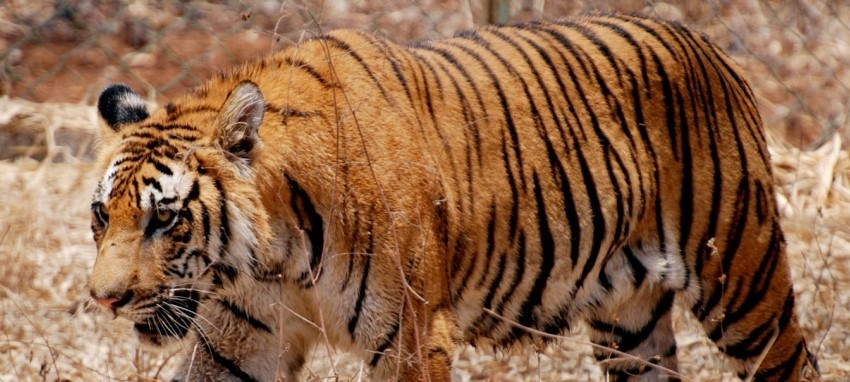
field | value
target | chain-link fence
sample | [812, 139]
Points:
[796, 52]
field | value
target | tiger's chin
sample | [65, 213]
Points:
[150, 334]
[171, 323]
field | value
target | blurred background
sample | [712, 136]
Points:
[56, 57]
[796, 52]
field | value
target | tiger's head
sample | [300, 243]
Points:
[176, 213]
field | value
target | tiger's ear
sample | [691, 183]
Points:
[240, 118]
[119, 105]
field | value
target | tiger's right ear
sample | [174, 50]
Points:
[119, 105]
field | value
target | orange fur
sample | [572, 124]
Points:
[553, 173]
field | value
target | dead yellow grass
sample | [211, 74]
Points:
[46, 251]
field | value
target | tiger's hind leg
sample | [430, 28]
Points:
[748, 311]
[636, 319]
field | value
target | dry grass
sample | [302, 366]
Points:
[46, 251]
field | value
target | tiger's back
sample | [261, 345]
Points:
[540, 175]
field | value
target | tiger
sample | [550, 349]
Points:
[498, 188]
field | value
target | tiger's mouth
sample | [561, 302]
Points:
[172, 320]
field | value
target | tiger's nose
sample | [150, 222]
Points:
[112, 301]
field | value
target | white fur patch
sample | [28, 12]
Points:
[105, 188]
[178, 185]
[242, 238]
[131, 100]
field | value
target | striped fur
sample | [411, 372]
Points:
[397, 196]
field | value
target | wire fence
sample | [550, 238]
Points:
[796, 52]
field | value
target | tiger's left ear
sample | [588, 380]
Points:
[119, 105]
[239, 120]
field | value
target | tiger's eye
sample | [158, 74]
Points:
[101, 215]
[164, 216]
[161, 219]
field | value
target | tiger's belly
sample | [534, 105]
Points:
[498, 308]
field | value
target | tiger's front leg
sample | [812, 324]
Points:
[421, 350]
[240, 338]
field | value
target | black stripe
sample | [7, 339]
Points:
[786, 367]
[717, 179]
[301, 203]
[598, 219]
[494, 284]
[638, 269]
[161, 167]
[491, 244]
[225, 362]
[390, 57]
[307, 68]
[570, 209]
[460, 262]
[205, 221]
[442, 353]
[640, 23]
[735, 234]
[177, 254]
[754, 343]
[194, 193]
[545, 58]
[628, 339]
[640, 124]
[147, 181]
[513, 218]
[762, 206]
[468, 79]
[181, 137]
[440, 134]
[390, 336]
[361, 295]
[610, 99]
[519, 272]
[470, 122]
[134, 190]
[757, 289]
[153, 144]
[547, 261]
[221, 269]
[637, 47]
[669, 106]
[341, 45]
[687, 194]
[599, 44]
[239, 313]
[224, 224]
[470, 130]
[555, 165]
[177, 110]
[130, 157]
[158, 128]
[168, 200]
[535, 113]
[354, 228]
[430, 106]
[503, 101]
